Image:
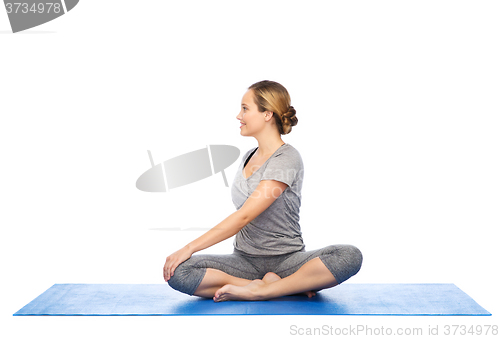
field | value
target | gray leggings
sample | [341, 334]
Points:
[343, 261]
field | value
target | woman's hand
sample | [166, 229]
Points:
[174, 260]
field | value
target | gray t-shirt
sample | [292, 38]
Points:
[276, 230]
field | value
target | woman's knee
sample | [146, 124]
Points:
[355, 257]
[344, 261]
[187, 276]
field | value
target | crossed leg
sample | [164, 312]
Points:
[313, 275]
[215, 280]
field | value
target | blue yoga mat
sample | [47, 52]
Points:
[345, 299]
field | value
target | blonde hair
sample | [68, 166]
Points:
[272, 96]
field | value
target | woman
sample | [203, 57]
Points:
[269, 258]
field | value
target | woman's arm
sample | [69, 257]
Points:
[264, 195]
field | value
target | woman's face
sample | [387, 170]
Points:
[252, 121]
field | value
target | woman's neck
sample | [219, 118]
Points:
[268, 144]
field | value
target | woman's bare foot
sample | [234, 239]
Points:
[271, 277]
[232, 292]
[252, 291]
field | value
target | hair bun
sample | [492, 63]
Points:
[289, 119]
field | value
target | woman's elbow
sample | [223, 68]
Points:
[242, 219]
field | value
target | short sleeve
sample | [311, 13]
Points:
[285, 167]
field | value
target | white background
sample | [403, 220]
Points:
[398, 107]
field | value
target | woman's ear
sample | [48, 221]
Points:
[268, 115]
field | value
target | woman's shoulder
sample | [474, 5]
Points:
[288, 154]
[289, 150]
